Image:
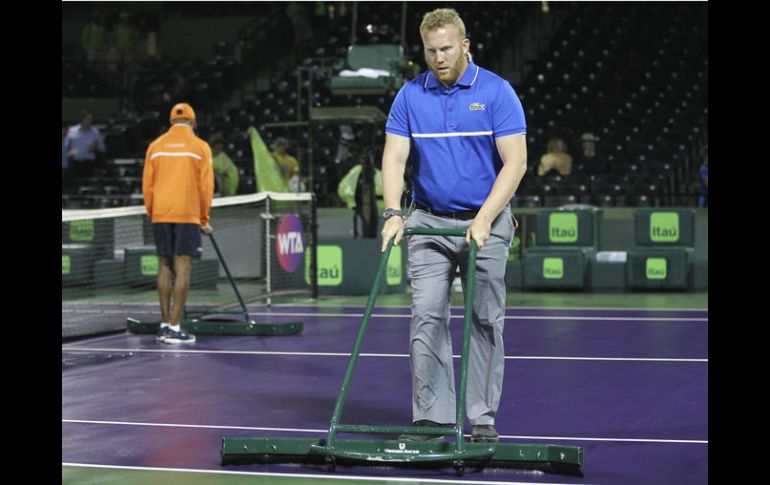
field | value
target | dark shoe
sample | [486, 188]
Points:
[484, 433]
[162, 334]
[180, 337]
[421, 437]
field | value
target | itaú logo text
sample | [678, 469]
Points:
[289, 246]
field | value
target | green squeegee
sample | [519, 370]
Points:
[222, 322]
[458, 454]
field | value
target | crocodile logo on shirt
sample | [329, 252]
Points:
[477, 107]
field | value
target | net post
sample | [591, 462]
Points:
[269, 288]
[313, 248]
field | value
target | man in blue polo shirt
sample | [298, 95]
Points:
[465, 129]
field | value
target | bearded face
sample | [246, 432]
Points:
[446, 53]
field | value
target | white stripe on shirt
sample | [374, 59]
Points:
[444, 135]
[176, 154]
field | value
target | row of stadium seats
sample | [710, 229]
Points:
[640, 86]
[635, 75]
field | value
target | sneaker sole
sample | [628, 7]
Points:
[178, 341]
[485, 440]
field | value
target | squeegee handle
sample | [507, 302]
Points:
[229, 276]
[431, 231]
[357, 346]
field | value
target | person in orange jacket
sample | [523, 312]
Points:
[178, 186]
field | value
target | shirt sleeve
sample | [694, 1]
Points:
[100, 142]
[207, 184]
[68, 139]
[147, 182]
[398, 118]
[508, 114]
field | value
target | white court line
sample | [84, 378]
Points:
[408, 307]
[330, 477]
[508, 317]
[297, 430]
[585, 308]
[203, 426]
[399, 315]
[347, 354]
[295, 305]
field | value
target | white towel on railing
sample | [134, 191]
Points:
[365, 72]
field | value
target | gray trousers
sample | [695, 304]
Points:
[433, 261]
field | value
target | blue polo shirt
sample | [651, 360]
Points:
[453, 131]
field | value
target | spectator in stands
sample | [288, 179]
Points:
[556, 161]
[703, 178]
[84, 145]
[178, 186]
[225, 170]
[94, 38]
[125, 38]
[589, 160]
[147, 29]
[288, 164]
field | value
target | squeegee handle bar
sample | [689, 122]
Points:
[357, 347]
[470, 288]
[229, 276]
[430, 231]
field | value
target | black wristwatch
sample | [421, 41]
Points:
[388, 213]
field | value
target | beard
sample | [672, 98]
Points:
[451, 75]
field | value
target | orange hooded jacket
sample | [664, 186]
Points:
[178, 180]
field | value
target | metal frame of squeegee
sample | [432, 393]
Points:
[551, 458]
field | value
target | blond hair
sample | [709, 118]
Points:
[556, 143]
[441, 17]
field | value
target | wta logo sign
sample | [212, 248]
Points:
[288, 243]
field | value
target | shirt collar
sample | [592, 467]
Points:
[183, 125]
[467, 79]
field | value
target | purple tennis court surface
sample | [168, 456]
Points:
[629, 386]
